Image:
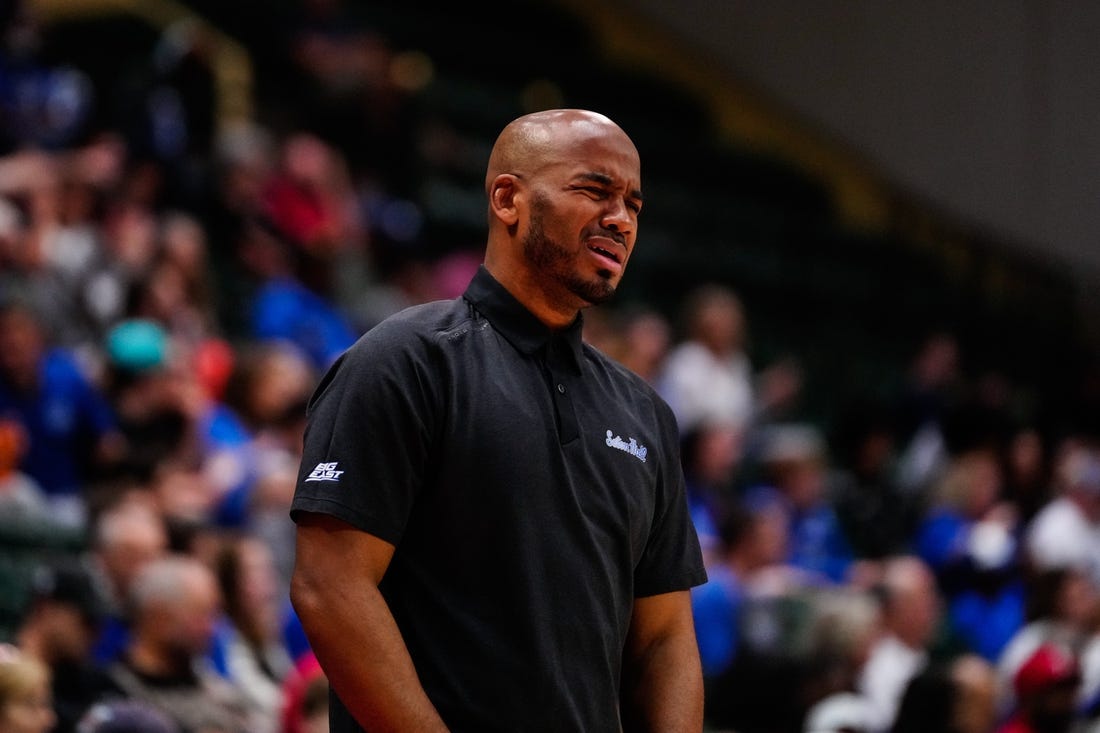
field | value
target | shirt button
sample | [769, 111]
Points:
[561, 388]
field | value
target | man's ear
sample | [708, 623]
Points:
[503, 192]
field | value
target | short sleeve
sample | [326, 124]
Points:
[672, 559]
[368, 439]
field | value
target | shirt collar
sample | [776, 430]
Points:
[517, 324]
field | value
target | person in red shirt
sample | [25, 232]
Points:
[1046, 692]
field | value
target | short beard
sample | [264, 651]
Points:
[554, 261]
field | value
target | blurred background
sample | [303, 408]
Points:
[866, 283]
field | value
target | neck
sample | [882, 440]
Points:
[149, 658]
[530, 292]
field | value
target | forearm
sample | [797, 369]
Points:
[364, 657]
[666, 692]
[662, 687]
[351, 630]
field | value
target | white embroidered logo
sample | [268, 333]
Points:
[325, 472]
[627, 446]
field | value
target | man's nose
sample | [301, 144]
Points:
[617, 216]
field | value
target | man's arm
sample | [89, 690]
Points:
[351, 630]
[662, 688]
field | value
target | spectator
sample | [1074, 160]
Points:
[1046, 693]
[794, 467]
[68, 423]
[976, 682]
[842, 633]
[250, 639]
[176, 605]
[25, 703]
[1027, 471]
[269, 388]
[711, 457]
[966, 501]
[708, 376]
[266, 395]
[21, 498]
[638, 337]
[58, 629]
[1061, 609]
[126, 537]
[930, 390]
[969, 540]
[1064, 532]
[912, 613]
[281, 307]
[153, 395]
[876, 515]
[164, 296]
[52, 254]
[749, 543]
[957, 696]
[310, 201]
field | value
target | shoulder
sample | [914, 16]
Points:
[401, 348]
[422, 324]
[60, 367]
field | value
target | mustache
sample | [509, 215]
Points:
[611, 234]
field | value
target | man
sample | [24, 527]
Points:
[911, 612]
[126, 537]
[492, 528]
[1064, 532]
[707, 377]
[58, 629]
[70, 426]
[176, 606]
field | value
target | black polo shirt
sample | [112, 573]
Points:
[532, 488]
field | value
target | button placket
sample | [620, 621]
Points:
[557, 366]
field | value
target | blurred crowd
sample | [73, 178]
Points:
[171, 290]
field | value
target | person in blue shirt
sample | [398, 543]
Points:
[70, 426]
[750, 539]
[278, 306]
[794, 473]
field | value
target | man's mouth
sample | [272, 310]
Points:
[604, 252]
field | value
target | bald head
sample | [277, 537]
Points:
[564, 190]
[912, 600]
[532, 141]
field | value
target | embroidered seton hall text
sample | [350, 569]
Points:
[325, 472]
[627, 446]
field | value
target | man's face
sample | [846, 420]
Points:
[583, 220]
[126, 557]
[69, 633]
[190, 623]
[21, 346]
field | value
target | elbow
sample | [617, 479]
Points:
[305, 594]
